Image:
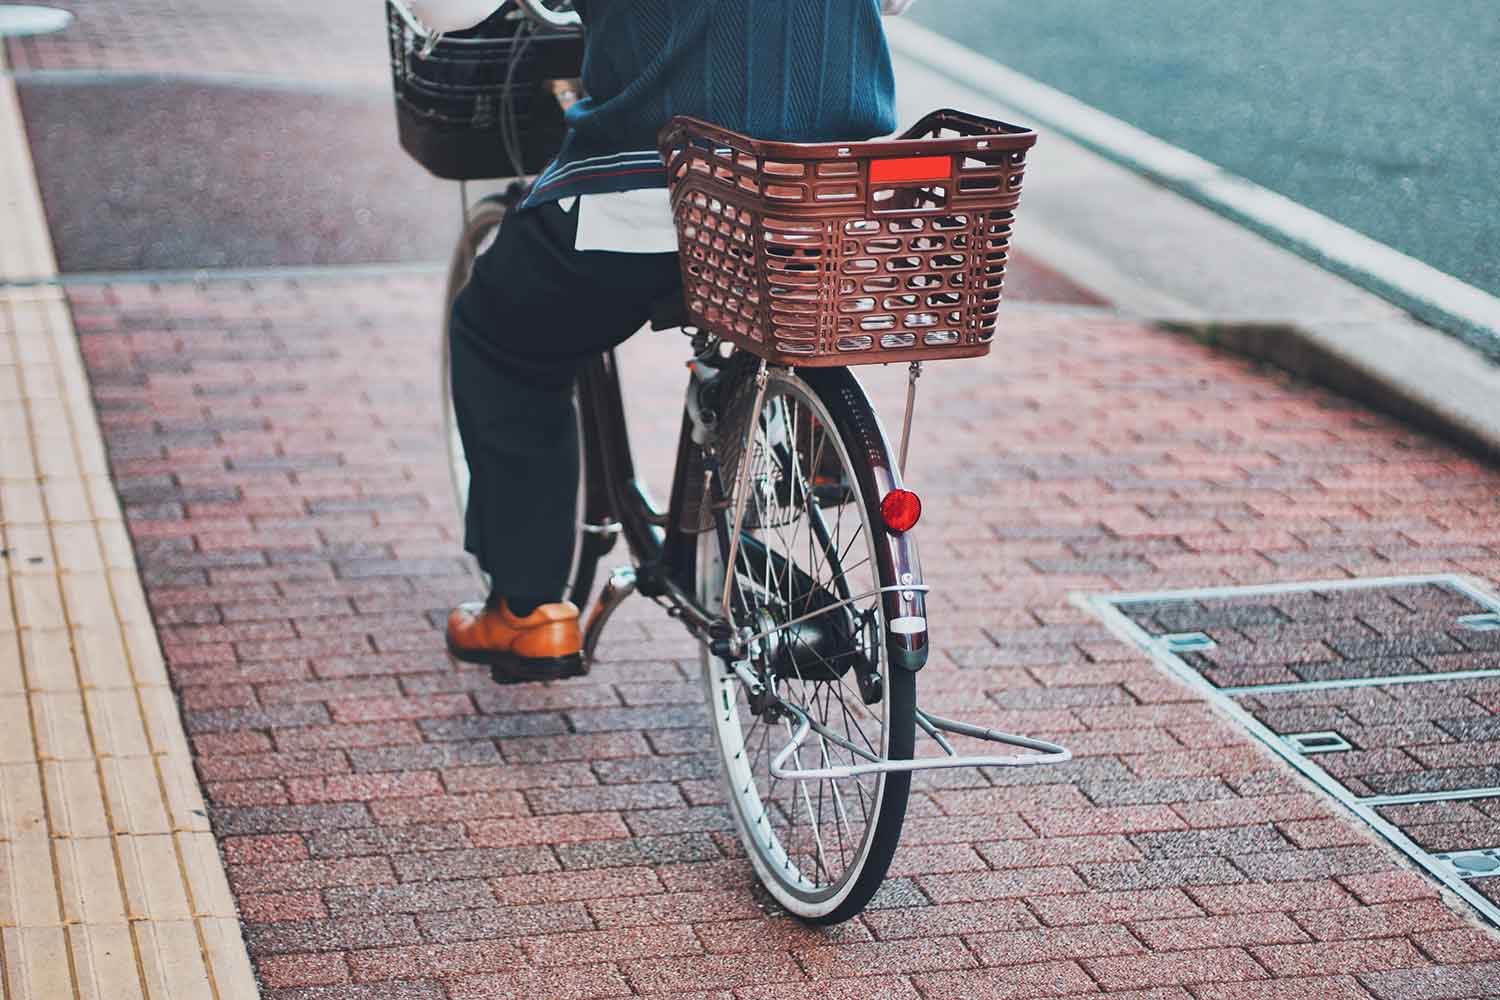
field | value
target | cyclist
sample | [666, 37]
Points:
[574, 271]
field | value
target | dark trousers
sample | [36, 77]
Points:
[534, 312]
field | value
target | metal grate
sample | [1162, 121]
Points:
[1384, 692]
[1474, 864]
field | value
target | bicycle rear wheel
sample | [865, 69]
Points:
[481, 225]
[812, 547]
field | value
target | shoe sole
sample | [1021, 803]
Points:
[508, 668]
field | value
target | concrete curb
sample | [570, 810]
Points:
[1457, 396]
[1427, 293]
[1213, 263]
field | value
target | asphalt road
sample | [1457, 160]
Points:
[146, 173]
[1383, 116]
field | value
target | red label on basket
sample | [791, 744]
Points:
[911, 168]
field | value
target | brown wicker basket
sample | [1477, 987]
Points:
[824, 254]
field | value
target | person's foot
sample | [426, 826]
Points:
[545, 645]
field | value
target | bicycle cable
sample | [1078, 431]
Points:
[510, 125]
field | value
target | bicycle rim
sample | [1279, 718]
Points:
[809, 540]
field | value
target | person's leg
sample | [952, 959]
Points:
[533, 313]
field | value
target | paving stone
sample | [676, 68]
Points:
[387, 840]
[1158, 874]
[892, 923]
[1141, 791]
[1226, 931]
[898, 894]
[971, 886]
[891, 987]
[1450, 983]
[605, 797]
[1052, 944]
[1383, 920]
[679, 975]
[1310, 988]
[424, 756]
[330, 935]
[1197, 843]
[411, 990]
[492, 727]
[411, 897]
[507, 922]
[604, 883]
[1185, 968]
[617, 945]
[477, 862]
[1285, 866]
[671, 849]
[578, 983]
[652, 717]
[286, 819]
[1350, 957]
[1020, 982]
[1114, 907]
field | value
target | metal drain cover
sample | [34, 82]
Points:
[28, 19]
[1384, 692]
[1188, 642]
[1324, 742]
[1474, 863]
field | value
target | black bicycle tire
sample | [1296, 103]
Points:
[485, 214]
[854, 417]
[858, 428]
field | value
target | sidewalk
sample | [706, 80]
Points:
[110, 881]
[397, 826]
[394, 826]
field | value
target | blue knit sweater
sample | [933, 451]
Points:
[798, 70]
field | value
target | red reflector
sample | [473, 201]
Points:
[911, 168]
[901, 510]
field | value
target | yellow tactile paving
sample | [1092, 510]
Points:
[74, 806]
[90, 883]
[36, 961]
[104, 962]
[111, 885]
[171, 959]
[17, 743]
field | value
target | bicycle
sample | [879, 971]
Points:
[786, 545]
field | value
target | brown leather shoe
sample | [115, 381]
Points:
[546, 645]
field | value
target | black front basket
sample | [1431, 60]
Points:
[456, 102]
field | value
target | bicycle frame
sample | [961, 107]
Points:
[664, 557]
[618, 503]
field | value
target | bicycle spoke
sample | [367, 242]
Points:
[805, 545]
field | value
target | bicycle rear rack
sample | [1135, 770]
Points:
[622, 584]
[932, 725]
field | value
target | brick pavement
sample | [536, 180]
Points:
[395, 826]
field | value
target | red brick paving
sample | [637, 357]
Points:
[395, 827]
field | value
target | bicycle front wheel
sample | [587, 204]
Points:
[813, 557]
[481, 226]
